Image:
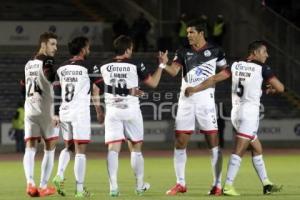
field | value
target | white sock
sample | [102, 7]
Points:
[179, 165]
[46, 168]
[112, 168]
[137, 164]
[79, 171]
[64, 158]
[233, 168]
[28, 164]
[260, 168]
[216, 164]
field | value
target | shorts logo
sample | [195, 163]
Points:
[207, 53]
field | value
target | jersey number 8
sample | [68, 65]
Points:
[70, 88]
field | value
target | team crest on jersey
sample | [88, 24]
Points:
[207, 53]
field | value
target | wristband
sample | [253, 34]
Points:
[162, 65]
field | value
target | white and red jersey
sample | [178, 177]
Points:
[73, 85]
[122, 74]
[197, 66]
[39, 91]
[247, 79]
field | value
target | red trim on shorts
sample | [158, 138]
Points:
[209, 132]
[69, 141]
[244, 135]
[82, 141]
[32, 138]
[115, 141]
[52, 138]
[184, 132]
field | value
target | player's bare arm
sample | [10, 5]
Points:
[97, 104]
[172, 69]
[274, 86]
[223, 75]
[153, 80]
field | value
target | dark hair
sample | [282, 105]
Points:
[199, 25]
[253, 46]
[45, 37]
[122, 43]
[77, 44]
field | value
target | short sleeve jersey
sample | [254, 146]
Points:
[75, 77]
[199, 65]
[247, 79]
[124, 74]
[39, 91]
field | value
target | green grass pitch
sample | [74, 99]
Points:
[282, 169]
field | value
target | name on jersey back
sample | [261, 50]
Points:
[244, 71]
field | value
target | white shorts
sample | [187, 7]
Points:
[39, 126]
[188, 113]
[122, 124]
[78, 131]
[246, 121]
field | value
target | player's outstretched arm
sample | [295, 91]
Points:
[153, 80]
[172, 69]
[275, 86]
[222, 75]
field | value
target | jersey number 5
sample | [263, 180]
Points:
[240, 88]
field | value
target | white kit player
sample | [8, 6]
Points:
[39, 73]
[198, 61]
[123, 118]
[247, 80]
[75, 79]
[73, 87]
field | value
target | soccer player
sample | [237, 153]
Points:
[247, 79]
[39, 73]
[198, 62]
[123, 118]
[73, 86]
